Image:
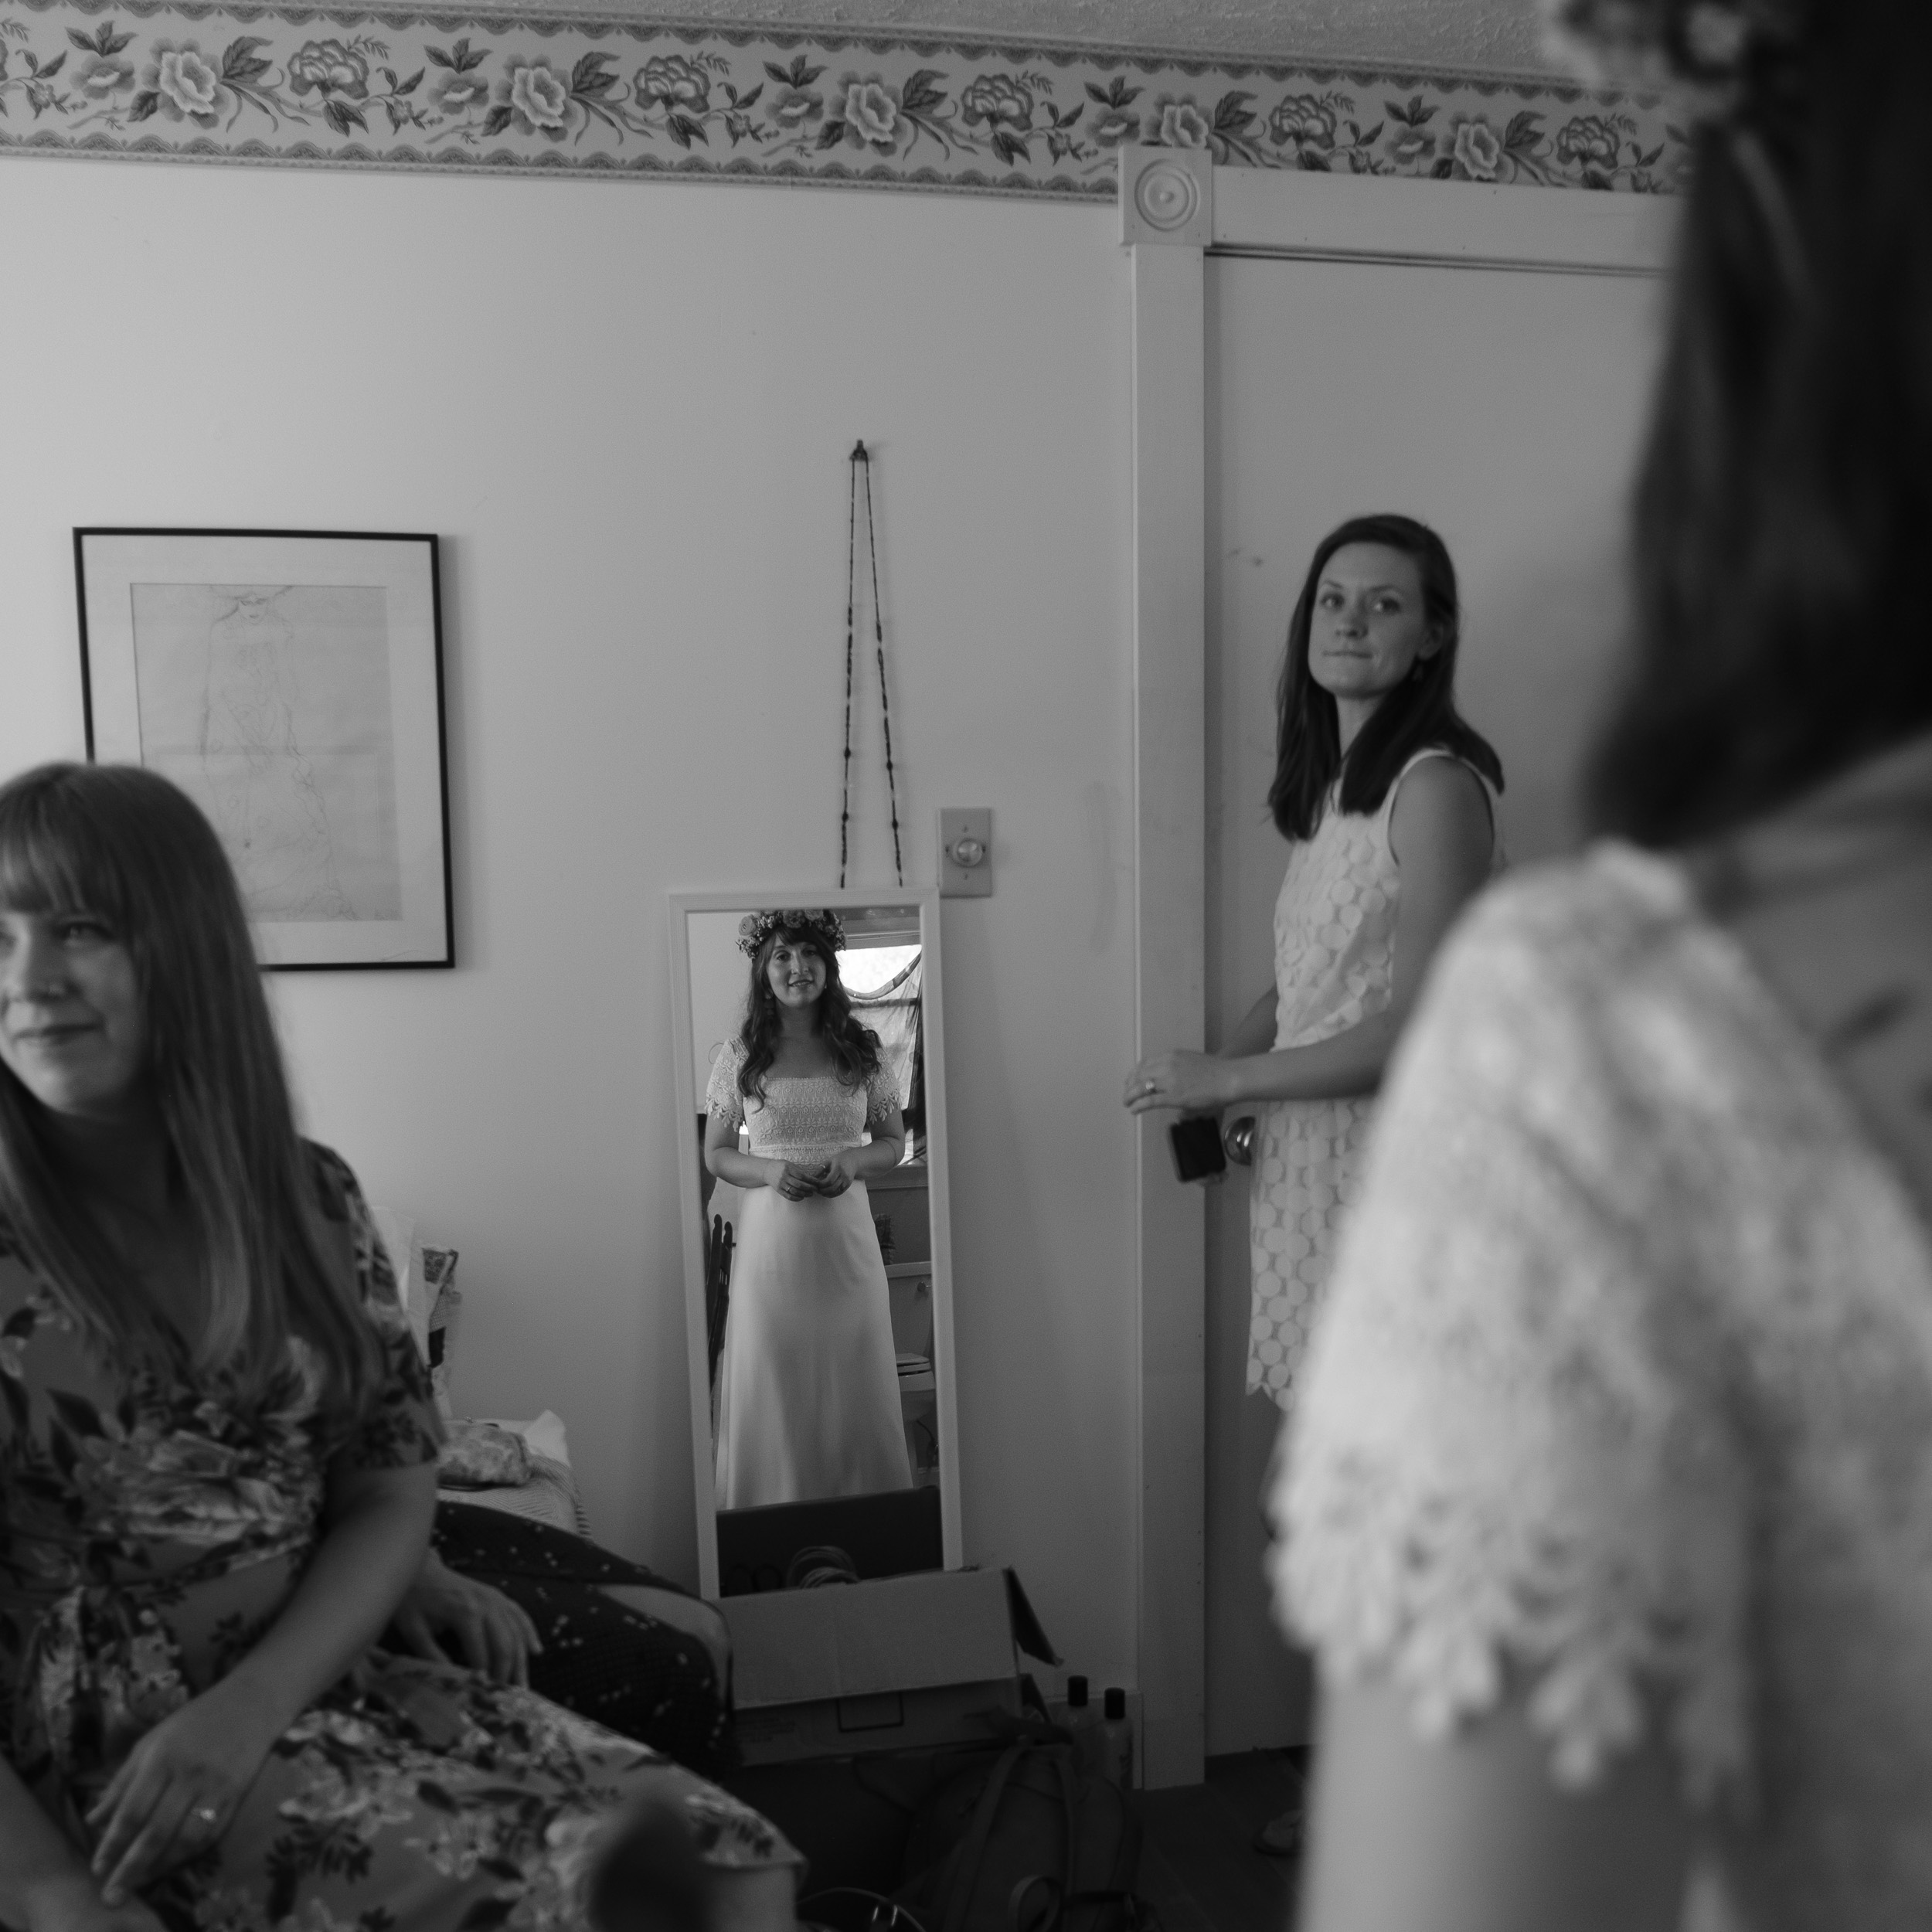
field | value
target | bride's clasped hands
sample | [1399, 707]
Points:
[793, 1181]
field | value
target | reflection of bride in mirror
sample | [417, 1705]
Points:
[808, 1384]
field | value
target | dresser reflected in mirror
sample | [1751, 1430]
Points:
[810, 1065]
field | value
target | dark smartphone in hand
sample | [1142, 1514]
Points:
[1199, 1155]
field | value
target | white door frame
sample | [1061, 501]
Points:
[1176, 208]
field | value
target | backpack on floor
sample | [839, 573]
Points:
[1023, 1839]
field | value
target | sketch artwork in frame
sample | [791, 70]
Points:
[290, 681]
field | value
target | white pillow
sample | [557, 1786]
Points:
[545, 1436]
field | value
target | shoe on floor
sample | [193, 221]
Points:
[1281, 1837]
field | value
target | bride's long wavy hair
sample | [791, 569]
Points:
[124, 845]
[1782, 503]
[853, 1045]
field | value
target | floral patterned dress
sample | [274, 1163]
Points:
[152, 1526]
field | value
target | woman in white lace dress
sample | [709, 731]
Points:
[807, 1380]
[1609, 1501]
[1382, 792]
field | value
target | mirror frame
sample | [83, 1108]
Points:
[938, 1203]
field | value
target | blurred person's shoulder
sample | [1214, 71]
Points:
[1586, 935]
[1609, 908]
[1596, 975]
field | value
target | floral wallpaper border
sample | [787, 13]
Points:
[180, 79]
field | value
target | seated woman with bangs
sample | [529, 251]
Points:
[217, 1457]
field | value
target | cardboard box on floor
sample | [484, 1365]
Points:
[895, 1663]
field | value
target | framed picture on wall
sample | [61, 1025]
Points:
[290, 681]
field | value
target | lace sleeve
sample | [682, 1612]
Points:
[721, 1095]
[882, 1095]
[1510, 1461]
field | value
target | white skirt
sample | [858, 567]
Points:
[1308, 1171]
[809, 1381]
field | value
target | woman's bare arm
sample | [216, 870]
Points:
[1471, 1834]
[1255, 1031]
[722, 1158]
[376, 1533]
[1440, 832]
[879, 1155]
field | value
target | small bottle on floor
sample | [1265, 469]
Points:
[1115, 1742]
[1078, 1716]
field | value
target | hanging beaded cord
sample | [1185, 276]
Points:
[858, 457]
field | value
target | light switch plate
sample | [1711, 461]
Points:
[965, 823]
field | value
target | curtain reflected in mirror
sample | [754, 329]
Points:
[821, 1297]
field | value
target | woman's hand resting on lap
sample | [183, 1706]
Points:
[1193, 1082]
[492, 1633]
[178, 1789]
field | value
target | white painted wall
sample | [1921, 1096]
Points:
[627, 409]
[718, 976]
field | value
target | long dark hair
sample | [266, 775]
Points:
[125, 844]
[853, 1045]
[1784, 618]
[1420, 712]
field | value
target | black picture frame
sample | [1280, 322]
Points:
[291, 682]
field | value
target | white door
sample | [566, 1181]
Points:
[1503, 407]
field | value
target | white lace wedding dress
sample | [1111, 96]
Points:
[1626, 1378]
[807, 1381]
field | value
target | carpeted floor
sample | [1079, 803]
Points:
[1199, 1867]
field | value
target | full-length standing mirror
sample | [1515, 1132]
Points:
[811, 1104]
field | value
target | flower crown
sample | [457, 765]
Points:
[755, 928]
[1713, 45]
